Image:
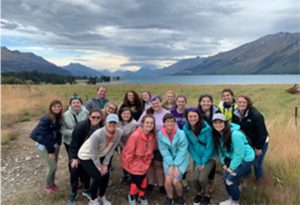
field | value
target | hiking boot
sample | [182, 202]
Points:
[181, 200]
[168, 201]
[103, 201]
[143, 200]
[72, 199]
[131, 200]
[87, 194]
[198, 198]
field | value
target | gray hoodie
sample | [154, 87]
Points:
[97, 146]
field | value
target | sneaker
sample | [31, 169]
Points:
[72, 199]
[131, 200]
[197, 199]
[150, 187]
[162, 190]
[181, 200]
[49, 189]
[94, 202]
[103, 201]
[168, 201]
[87, 194]
[143, 201]
[226, 202]
[206, 200]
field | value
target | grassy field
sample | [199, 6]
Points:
[27, 102]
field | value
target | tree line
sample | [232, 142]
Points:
[35, 77]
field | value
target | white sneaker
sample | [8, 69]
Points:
[94, 202]
[104, 201]
[227, 202]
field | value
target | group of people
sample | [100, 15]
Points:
[156, 140]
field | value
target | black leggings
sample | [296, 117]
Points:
[137, 179]
[99, 182]
[76, 173]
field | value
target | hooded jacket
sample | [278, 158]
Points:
[201, 147]
[70, 120]
[137, 154]
[253, 124]
[175, 152]
[240, 151]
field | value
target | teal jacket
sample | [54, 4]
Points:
[201, 147]
[240, 151]
[175, 153]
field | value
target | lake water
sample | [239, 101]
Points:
[214, 79]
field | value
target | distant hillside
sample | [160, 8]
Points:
[271, 54]
[15, 61]
[78, 69]
[181, 65]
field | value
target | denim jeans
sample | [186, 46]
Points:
[258, 162]
[233, 189]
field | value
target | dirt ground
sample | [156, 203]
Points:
[23, 177]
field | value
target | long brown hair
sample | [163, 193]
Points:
[55, 117]
[198, 126]
[226, 136]
[136, 99]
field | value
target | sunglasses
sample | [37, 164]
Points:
[95, 117]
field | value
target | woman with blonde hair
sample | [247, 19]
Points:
[170, 102]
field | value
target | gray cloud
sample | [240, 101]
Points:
[143, 30]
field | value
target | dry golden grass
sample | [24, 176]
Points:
[22, 102]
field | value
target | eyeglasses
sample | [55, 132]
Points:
[112, 108]
[95, 117]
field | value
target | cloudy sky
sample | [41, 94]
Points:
[110, 34]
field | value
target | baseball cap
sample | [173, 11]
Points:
[112, 118]
[219, 116]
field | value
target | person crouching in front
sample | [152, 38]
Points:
[95, 156]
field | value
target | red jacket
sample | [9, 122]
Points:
[137, 154]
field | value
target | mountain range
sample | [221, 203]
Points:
[272, 54]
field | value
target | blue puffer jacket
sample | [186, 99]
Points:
[240, 151]
[201, 147]
[47, 133]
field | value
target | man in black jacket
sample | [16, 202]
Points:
[81, 133]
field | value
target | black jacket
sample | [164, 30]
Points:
[82, 131]
[47, 133]
[253, 124]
